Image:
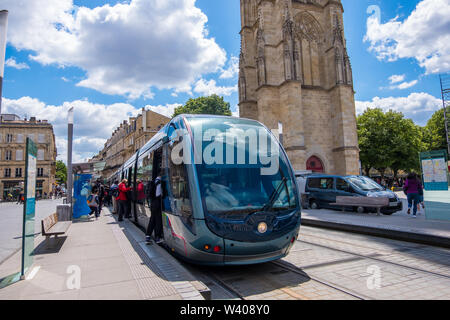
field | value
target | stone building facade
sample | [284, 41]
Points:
[294, 69]
[131, 135]
[13, 136]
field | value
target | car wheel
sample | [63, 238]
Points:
[313, 204]
[360, 209]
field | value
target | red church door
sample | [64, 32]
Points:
[314, 164]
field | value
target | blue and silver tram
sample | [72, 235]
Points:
[230, 195]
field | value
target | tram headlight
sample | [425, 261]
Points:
[262, 227]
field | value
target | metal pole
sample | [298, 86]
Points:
[3, 28]
[445, 115]
[69, 160]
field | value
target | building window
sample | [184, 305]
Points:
[8, 155]
[40, 172]
[20, 138]
[40, 154]
[7, 173]
[31, 136]
[19, 155]
[41, 138]
[9, 138]
[18, 172]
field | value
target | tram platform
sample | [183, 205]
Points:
[399, 226]
[102, 260]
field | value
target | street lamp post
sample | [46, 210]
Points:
[69, 159]
[3, 28]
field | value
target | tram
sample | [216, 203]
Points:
[230, 196]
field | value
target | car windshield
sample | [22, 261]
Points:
[234, 186]
[365, 184]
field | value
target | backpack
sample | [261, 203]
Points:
[115, 192]
[91, 200]
[152, 189]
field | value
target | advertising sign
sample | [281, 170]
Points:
[81, 191]
[29, 207]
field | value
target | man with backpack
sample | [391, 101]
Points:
[114, 190]
[155, 223]
[93, 203]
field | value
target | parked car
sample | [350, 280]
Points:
[322, 190]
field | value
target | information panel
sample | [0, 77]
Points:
[29, 207]
[435, 170]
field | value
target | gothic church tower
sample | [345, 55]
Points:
[294, 69]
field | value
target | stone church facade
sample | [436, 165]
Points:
[294, 69]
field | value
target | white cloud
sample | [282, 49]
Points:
[398, 83]
[93, 123]
[11, 62]
[236, 112]
[396, 78]
[210, 87]
[166, 110]
[406, 85]
[417, 106]
[125, 49]
[233, 69]
[424, 36]
[65, 79]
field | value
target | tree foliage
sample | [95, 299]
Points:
[388, 140]
[205, 105]
[434, 131]
[61, 172]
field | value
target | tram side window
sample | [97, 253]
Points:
[180, 188]
[145, 167]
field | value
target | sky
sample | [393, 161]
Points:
[111, 58]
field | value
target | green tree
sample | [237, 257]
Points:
[434, 131]
[388, 140]
[205, 105]
[61, 172]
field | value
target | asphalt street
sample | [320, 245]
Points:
[11, 222]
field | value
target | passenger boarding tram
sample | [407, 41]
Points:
[230, 195]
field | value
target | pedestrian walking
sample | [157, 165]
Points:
[101, 195]
[93, 203]
[122, 199]
[412, 189]
[114, 189]
[155, 223]
[421, 199]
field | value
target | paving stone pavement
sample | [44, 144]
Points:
[111, 263]
[321, 258]
[344, 266]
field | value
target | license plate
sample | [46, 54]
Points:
[393, 204]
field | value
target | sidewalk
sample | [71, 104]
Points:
[400, 225]
[113, 262]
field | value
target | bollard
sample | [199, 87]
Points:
[63, 212]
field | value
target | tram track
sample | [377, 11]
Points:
[297, 270]
[373, 258]
[269, 277]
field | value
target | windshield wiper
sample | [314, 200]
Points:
[274, 195]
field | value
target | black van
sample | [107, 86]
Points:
[322, 190]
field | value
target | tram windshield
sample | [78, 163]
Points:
[243, 169]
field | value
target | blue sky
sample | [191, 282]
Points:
[65, 58]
